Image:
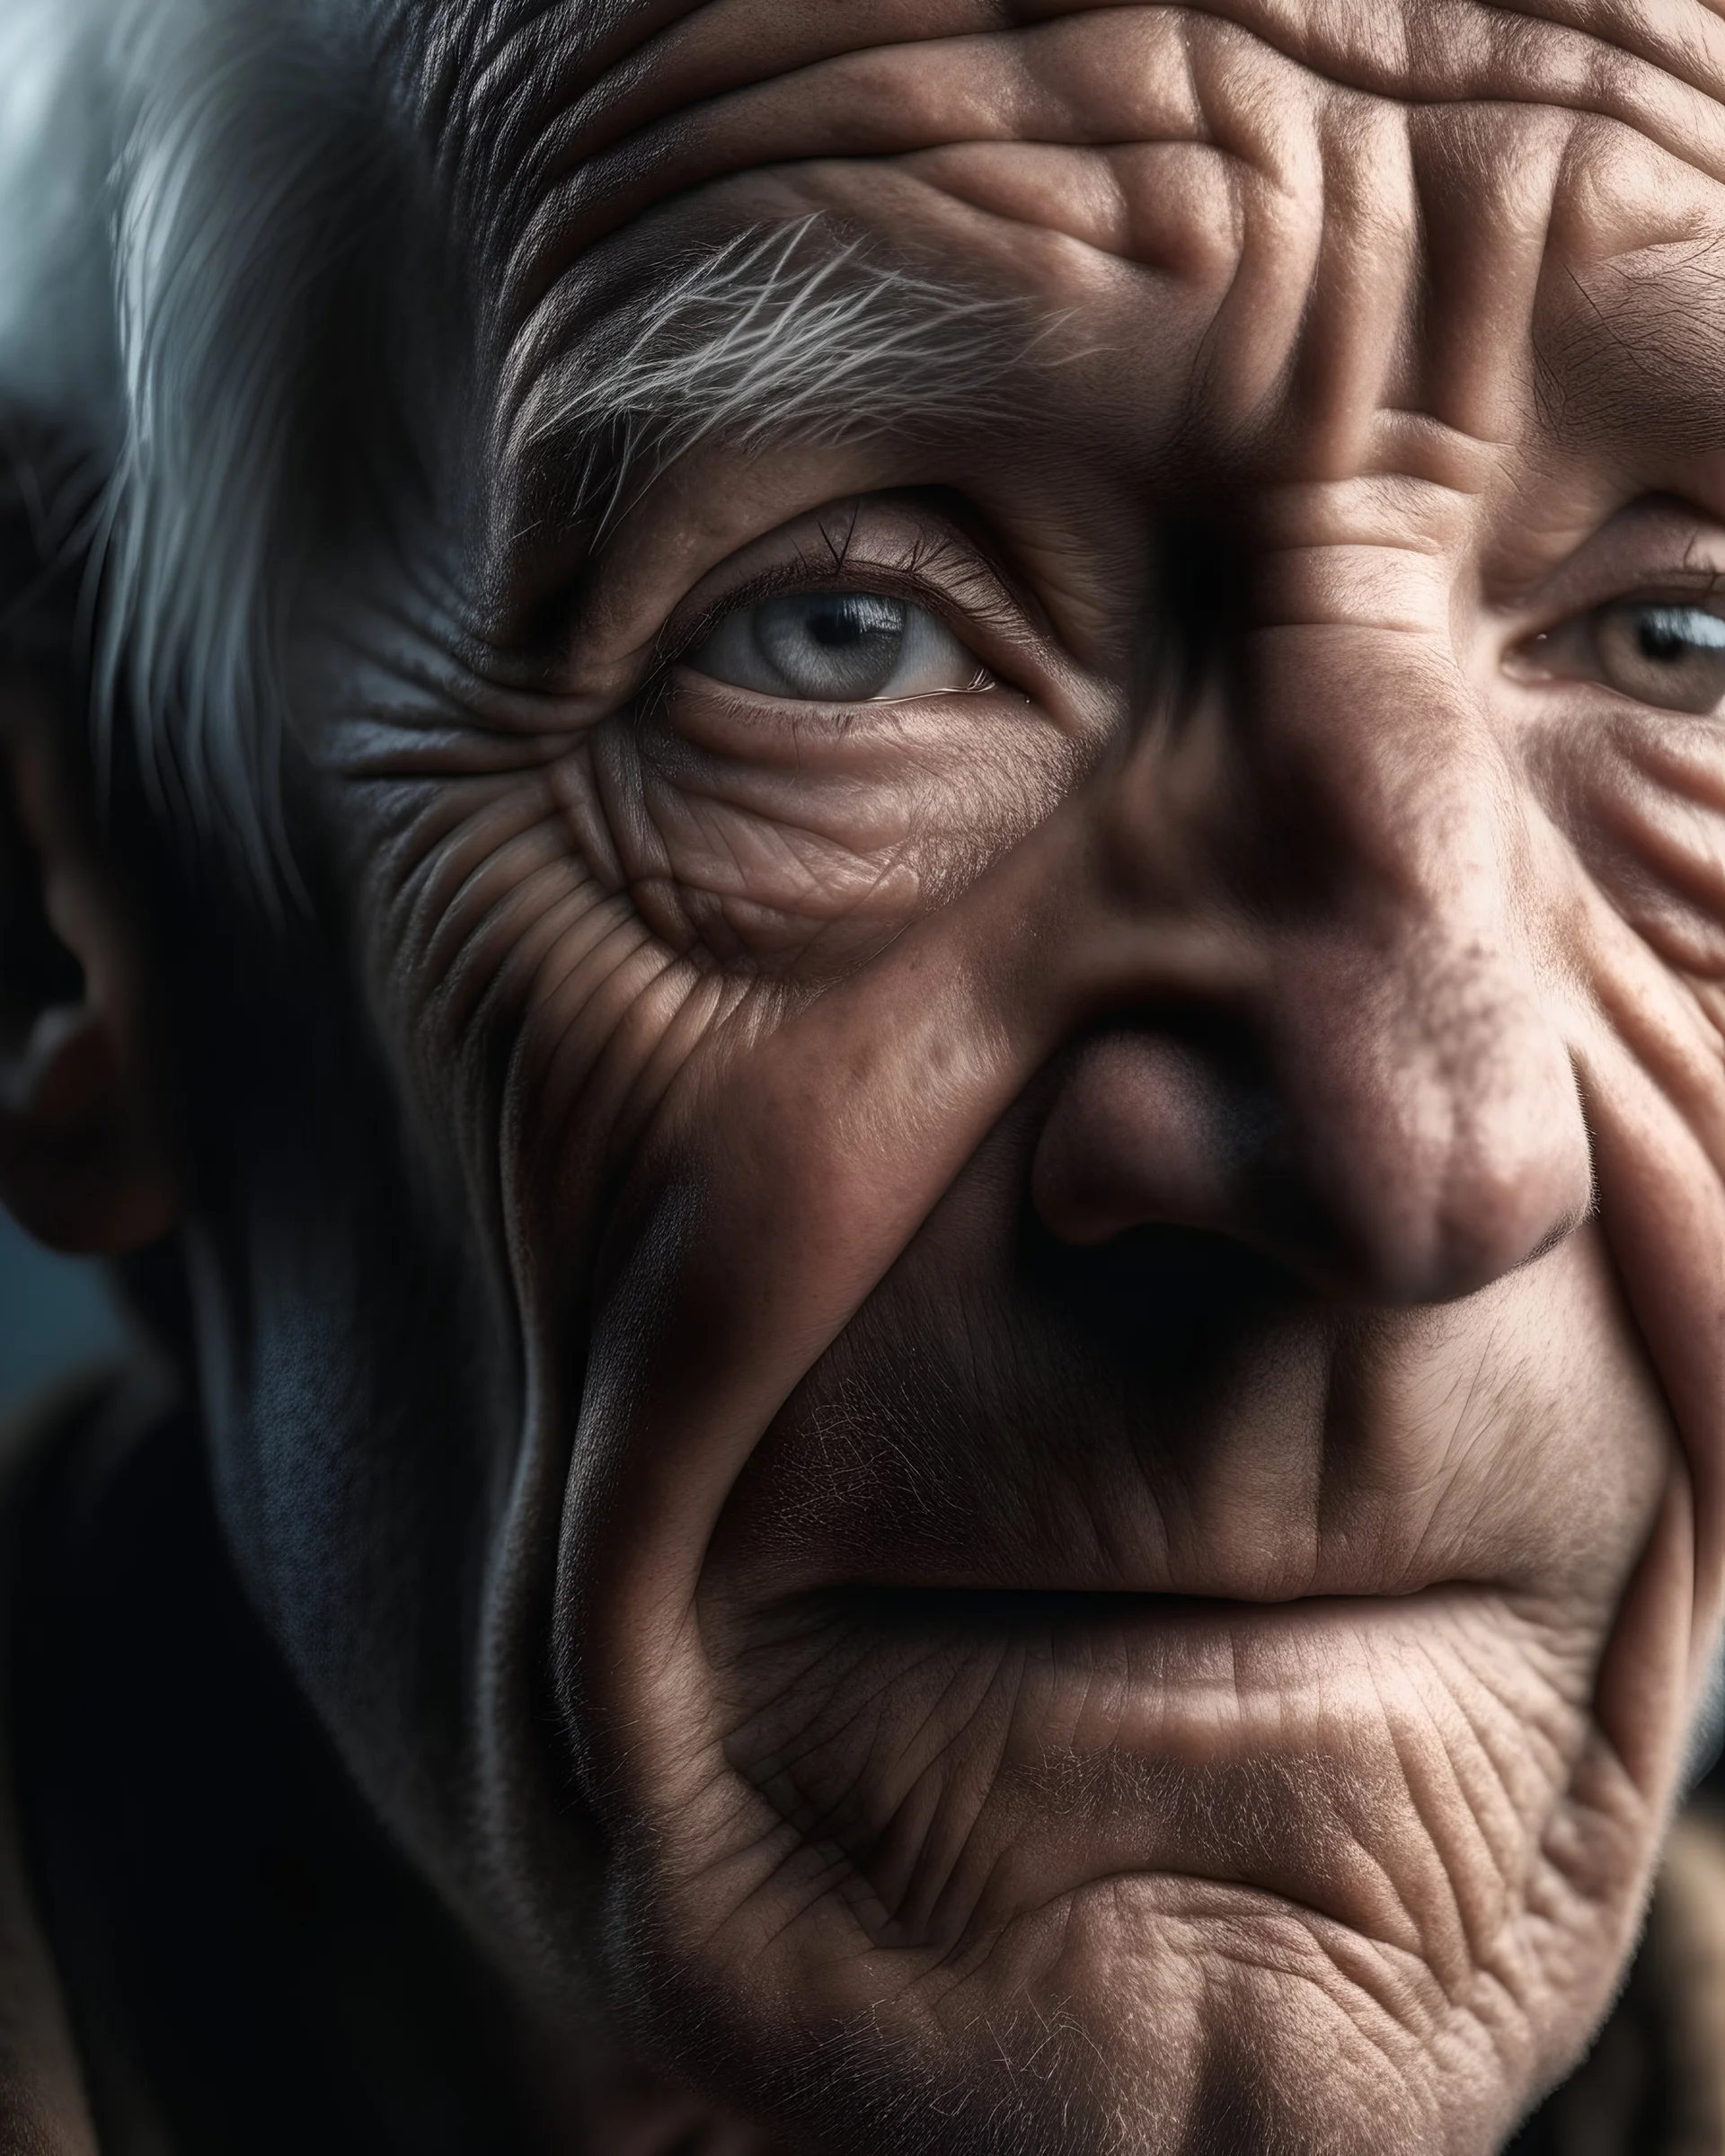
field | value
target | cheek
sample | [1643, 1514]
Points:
[775, 840]
[1647, 806]
[1640, 798]
[558, 946]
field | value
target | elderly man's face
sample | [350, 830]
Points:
[1066, 975]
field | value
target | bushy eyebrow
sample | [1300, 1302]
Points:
[776, 334]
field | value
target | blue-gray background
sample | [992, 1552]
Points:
[55, 1313]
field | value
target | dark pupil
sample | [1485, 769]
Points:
[1669, 635]
[1659, 639]
[839, 645]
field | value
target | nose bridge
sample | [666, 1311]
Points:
[1379, 798]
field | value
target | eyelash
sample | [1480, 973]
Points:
[1707, 598]
[983, 608]
[1705, 590]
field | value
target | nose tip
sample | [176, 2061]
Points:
[1453, 1166]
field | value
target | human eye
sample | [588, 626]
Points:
[835, 646]
[1671, 656]
[1666, 653]
[834, 728]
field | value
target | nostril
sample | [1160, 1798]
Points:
[1171, 1300]
[1148, 1129]
[1398, 1167]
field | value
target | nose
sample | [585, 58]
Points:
[1392, 1110]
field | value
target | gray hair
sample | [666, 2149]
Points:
[189, 191]
[174, 176]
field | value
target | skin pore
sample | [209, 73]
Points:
[1056, 1061]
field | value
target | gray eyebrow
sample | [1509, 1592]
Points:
[774, 335]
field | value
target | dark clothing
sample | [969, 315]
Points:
[248, 1965]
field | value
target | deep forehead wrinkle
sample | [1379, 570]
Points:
[576, 117]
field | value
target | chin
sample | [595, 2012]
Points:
[1148, 2015]
[1138, 1876]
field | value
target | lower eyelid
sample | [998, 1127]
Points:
[983, 684]
[767, 709]
[716, 716]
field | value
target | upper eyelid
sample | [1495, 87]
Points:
[1661, 593]
[1666, 590]
[1709, 599]
[1575, 611]
[1581, 587]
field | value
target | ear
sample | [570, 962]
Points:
[86, 1159]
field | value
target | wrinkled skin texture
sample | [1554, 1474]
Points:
[1061, 1487]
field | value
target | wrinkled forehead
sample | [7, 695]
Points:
[589, 111]
[1026, 138]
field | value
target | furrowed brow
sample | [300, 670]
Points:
[774, 336]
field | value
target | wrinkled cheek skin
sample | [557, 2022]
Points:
[899, 1874]
[1277, 1767]
[899, 1880]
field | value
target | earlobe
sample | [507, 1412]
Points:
[84, 1161]
[76, 1170]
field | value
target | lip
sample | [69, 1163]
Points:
[971, 1754]
[1202, 1680]
[1133, 1622]
[1153, 1651]
[1015, 1609]
[899, 1551]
